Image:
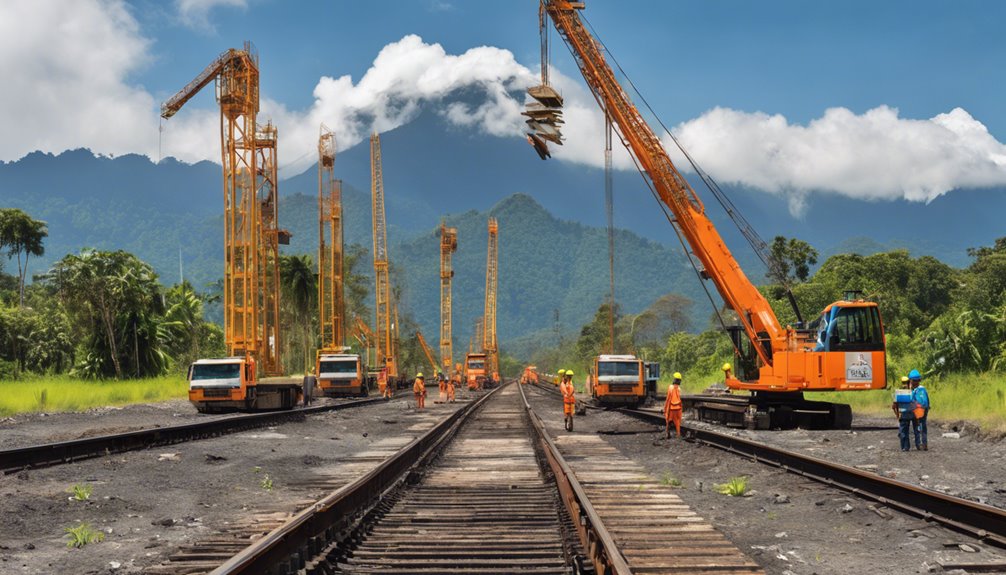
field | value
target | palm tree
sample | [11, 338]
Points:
[299, 286]
[20, 233]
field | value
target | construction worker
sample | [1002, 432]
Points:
[389, 388]
[442, 384]
[921, 398]
[450, 389]
[904, 408]
[419, 389]
[673, 407]
[558, 380]
[568, 398]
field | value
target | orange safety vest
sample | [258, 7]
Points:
[673, 402]
[568, 392]
[418, 386]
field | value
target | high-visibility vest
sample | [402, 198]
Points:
[418, 386]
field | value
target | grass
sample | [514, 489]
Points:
[670, 481]
[81, 492]
[734, 487]
[64, 393]
[82, 534]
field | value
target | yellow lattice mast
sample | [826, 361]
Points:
[448, 245]
[247, 329]
[492, 280]
[331, 303]
[269, 239]
[383, 325]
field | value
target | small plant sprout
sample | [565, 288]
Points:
[80, 492]
[670, 480]
[82, 534]
[257, 469]
[266, 483]
[735, 487]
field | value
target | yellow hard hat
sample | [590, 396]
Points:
[726, 367]
[677, 375]
[420, 375]
[569, 372]
[904, 379]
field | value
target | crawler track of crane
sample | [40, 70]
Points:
[36, 456]
[487, 490]
[983, 522]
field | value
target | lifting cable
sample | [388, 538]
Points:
[758, 244]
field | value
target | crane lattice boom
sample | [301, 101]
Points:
[386, 357]
[330, 246]
[448, 245]
[492, 281]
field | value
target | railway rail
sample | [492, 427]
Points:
[488, 490]
[36, 456]
[984, 522]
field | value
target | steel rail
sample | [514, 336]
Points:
[35, 456]
[984, 522]
[597, 542]
[325, 525]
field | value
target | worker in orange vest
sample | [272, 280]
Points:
[450, 389]
[389, 387]
[442, 384]
[673, 407]
[568, 398]
[419, 389]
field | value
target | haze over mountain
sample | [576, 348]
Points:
[553, 248]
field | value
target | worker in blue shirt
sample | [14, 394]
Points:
[903, 407]
[921, 398]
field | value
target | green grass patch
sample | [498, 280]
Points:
[82, 535]
[64, 393]
[80, 492]
[734, 487]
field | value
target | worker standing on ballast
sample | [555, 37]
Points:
[673, 407]
[904, 408]
[419, 389]
[450, 389]
[442, 384]
[568, 398]
[389, 390]
[921, 398]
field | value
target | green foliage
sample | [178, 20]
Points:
[790, 260]
[299, 300]
[80, 491]
[34, 393]
[670, 481]
[21, 236]
[266, 483]
[595, 337]
[35, 340]
[734, 487]
[82, 535]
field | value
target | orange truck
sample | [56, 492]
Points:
[230, 384]
[530, 375]
[618, 380]
[342, 375]
[475, 370]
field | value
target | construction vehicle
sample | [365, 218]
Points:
[385, 328]
[530, 375]
[339, 373]
[428, 351]
[651, 375]
[489, 343]
[475, 373]
[842, 350]
[251, 245]
[617, 380]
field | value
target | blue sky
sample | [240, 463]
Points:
[915, 88]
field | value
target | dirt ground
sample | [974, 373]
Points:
[793, 526]
[148, 503]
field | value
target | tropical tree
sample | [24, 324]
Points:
[300, 292]
[790, 260]
[20, 234]
[114, 300]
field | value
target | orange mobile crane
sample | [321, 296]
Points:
[448, 245]
[843, 349]
[386, 329]
[338, 373]
[251, 245]
[428, 352]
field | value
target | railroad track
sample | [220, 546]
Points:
[36, 456]
[486, 490]
[983, 522]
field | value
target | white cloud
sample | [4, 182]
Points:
[874, 156]
[195, 13]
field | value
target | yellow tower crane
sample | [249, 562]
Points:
[489, 343]
[387, 359]
[448, 245]
[251, 243]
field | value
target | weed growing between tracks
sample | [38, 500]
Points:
[82, 534]
[63, 393]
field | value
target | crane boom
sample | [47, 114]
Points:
[785, 359]
[448, 245]
[331, 300]
[383, 326]
[489, 344]
[428, 352]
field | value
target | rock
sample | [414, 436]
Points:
[166, 522]
[820, 503]
[311, 460]
[846, 508]
[923, 477]
[169, 457]
[781, 535]
[967, 548]
[871, 446]
[781, 498]
[365, 434]
[29, 546]
[931, 568]
[952, 435]
[114, 564]
[211, 458]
